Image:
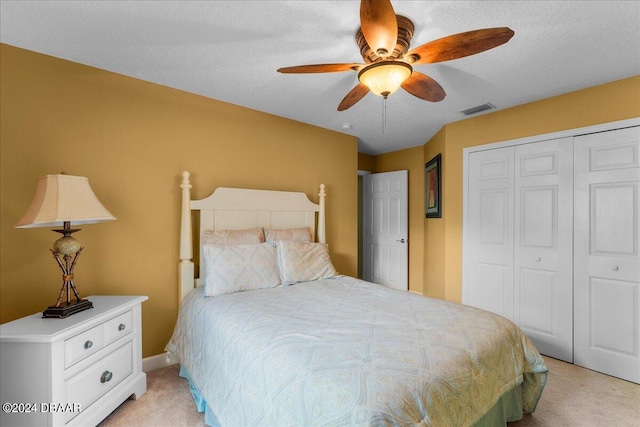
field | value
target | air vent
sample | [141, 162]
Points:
[477, 109]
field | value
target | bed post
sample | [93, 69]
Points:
[321, 229]
[186, 251]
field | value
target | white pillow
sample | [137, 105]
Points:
[295, 234]
[238, 268]
[304, 261]
[248, 236]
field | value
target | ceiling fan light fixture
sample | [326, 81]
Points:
[385, 77]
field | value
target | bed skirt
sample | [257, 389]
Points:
[201, 404]
[507, 409]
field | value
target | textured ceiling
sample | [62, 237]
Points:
[230, 50]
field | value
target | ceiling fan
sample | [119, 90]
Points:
[384, 39]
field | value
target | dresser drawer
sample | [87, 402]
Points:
[86, 387]
[83, 345]
[118, 327]
[88, 342]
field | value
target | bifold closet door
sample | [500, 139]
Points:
[607, 256]
[543, 241]
[518, 240]
[489, 243]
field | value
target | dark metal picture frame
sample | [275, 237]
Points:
[433, 188]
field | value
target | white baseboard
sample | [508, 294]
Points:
[158, 361]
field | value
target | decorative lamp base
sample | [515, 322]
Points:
[66, 310]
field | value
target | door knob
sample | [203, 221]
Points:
[401, 240]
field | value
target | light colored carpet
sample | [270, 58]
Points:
[574, 396]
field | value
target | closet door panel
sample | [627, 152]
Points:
[607, 253]
[612, 217]
[538, 219]
[489, 254]
[543, 279]
[536, 287]
[615, 310]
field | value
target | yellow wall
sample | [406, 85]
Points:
[366, 162]
[434, 228]
[442, 251]
[132, 139]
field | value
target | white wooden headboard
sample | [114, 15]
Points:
[239, 208]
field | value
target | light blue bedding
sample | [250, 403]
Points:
[343, 351]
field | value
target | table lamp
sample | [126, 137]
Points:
[59, 201]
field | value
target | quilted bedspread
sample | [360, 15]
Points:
[342, 351]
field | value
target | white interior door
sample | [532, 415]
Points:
[489, 229]
[385, 229]
[607, 259]
[543, 270]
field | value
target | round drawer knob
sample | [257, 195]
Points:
[106, 376]
[121, 326]
[88, 344]
[538, 259]
[614, 267]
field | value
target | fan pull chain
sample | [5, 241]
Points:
[384, 113]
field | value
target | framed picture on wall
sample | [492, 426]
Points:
[433, 188]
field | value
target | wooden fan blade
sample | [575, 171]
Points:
[460, 45]
[379, 26]
[320, 68]
[355, 95]
[424, 87]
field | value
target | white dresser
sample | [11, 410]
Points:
[72, 371]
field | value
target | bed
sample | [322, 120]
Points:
[313, 347]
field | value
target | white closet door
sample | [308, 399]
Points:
[543, 270]
[607, 260]
[489, 256]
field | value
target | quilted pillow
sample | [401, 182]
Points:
[248, 236]
[239, 268]
[303, 261]
[294, 234]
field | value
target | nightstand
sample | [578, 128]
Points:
[72, 371]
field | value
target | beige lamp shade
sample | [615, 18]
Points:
[385, 77]
[63, 198]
